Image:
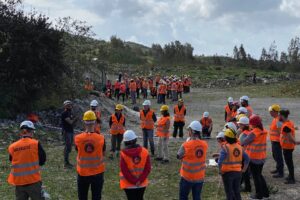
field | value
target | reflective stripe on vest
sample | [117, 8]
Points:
[117, 127]
[25, 173]
[285, 141]
[147, 121]
[234, 158]
[257, 149]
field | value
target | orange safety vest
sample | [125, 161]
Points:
[193, 163]
[250, 111]
[132, 86]
[147, 121]
[285, 141]
[122, 88]
[206, 122]
[117, 85]
[163, 126]
[117, 127]
[180, 87]
[136, 166]
[97, 125]
[25, 167]
[186, 83]
[274, 130]
[162, 89]
[90, 154]
[89, 86]
[234, 158]
[257, 149]
[150, 84]
[179, 114]
[229, 113]
[145, 84]
[174, 87]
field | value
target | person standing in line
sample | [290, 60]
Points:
[179, 118]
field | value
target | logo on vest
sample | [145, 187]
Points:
[89, 148]
[199, 153]
[136, 159]
[236, 152]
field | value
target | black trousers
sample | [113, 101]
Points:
[288, 158]
[138, 93]
[123, 97]
[116, 141]
[232, 183]
[277, 155]
[135, 194]
[84, 183]
[259, 181]
[246, 179]
[178, 125]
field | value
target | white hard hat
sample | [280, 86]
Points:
[242, 110]
[27, 125]
[220, 135]
[67, 102]
[244, 98]
[196, 126]
[206, 114]
[244, 120]
[230, 100]
[129, 135]
[231, 126]
[147, 103]
[94, 103]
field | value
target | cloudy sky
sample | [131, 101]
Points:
[211, 26]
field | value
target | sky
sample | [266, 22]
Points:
[211, 26]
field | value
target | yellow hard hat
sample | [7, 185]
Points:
[240, 116]
[274, 107]
[89, 116]
[164, 108]
[229, 133]
[119, 107]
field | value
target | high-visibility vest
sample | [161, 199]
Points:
[25, 167]
[193, 163]
[117, 85]
[179, 114]
[257, 149]
[285, 141]
[90, 154]
[122, 88]
[250, 111]
[163, 126]
[132, 86]
[136, 166]
[150, 84]
[117, 127]
[169, 85]
[145, 84]
[186, 83]
[206, 121]
[147, 121]
[229, 113]
[89, 86]
[174, 86]
[162, 89]
[97, 125]
[233, 161]
[190, 81]
[180, 87]
[275, 130]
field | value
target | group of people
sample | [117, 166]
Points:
[242, 152]
[171, 87]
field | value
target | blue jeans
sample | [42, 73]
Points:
[148, 136]
[185, 188]
[68, 137]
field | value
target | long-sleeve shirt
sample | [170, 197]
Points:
[248, 140]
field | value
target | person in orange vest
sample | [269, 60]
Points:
[207, 125]
[243, 132]
[287, 142]
[274, 134]
[235, 107]
[229, 109]
[117, 89]
[117, 129]
[122, 91]
[179, 118]
[145, 88]
[163, 133]
[232, 158]
[180, 88]
[162, 91]
[90, 147]
[148, 118]
[132, 88]
[94, 106]
[135, 166]
[192, 154]
[185, 85]
[89, 85]
[26, 156]
[244, 100]
[256, 148]
[174, 90]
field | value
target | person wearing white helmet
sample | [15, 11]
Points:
[26, 156]
[192, 153]
[221, 141]
[228, 109]
[135, 166]
[68, 121]
[94, 106]
[207, 125]
[244, 100]
[148, 119]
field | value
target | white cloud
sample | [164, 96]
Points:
[291, 7]
[198, 8]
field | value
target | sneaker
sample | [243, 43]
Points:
[158, 159]
[278, 176]
[254, 196]
[274, 171]
[68, 166]
[290, 181]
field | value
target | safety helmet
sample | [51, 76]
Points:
[164, 108]
[206, 114]
[180, 100]
[244, 98]
[244, 121]
[274, 107]
[220, 135]
[242, 110]
[27, 125]
[89, 116]
[119, 107]
[230, 100]
[94, 103]
[231, 126]
[196, 126]
[67, 102]
[147, 103]
[229, 133]
[129, 135]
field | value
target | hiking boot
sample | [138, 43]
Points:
[68, 166]
[290, 181]
[278, 176]
[158, 159]
[274, 171]
[254, 196]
